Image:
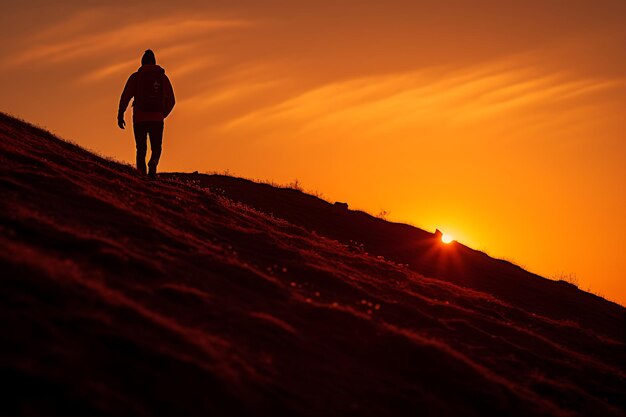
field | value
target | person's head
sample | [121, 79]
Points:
[148, 58]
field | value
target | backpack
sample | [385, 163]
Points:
[149, 94]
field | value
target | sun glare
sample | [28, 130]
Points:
[446, 238]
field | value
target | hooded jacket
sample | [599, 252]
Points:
[130, 90]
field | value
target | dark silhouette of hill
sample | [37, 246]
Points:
[125, 296]
[421, 251]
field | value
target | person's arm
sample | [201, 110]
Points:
[169, 98]
[127, 94]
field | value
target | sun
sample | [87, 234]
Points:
[446, 238]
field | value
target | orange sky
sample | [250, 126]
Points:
[501, 123]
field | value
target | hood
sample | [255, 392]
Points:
[150, 68]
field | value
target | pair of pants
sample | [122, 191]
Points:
[155, 131]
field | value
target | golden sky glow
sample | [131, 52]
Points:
[500, 123]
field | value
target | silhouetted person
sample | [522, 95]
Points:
[154, 100]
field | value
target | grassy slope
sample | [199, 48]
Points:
[121, 295]
[422, 252]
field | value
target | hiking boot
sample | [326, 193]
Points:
[152, 171]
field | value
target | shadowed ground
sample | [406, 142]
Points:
[214, 295]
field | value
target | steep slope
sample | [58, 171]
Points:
[120, 295]
[422, 252]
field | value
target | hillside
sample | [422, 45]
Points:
[201, 295]
[420, 251]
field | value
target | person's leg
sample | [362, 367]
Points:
[156, 141]
[140, 129]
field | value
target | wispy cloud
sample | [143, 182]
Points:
[62, 46]
[375, 105]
